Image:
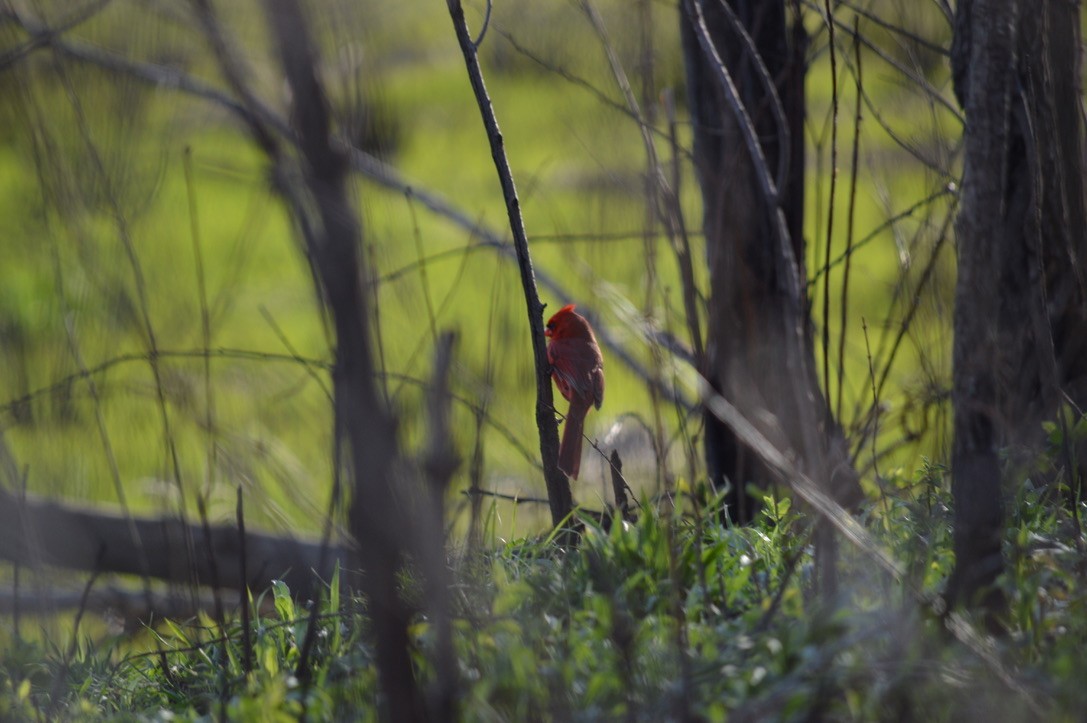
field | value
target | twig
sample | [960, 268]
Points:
[617, 472]
[421, 263]
[475, 469]
[558, 486]
[918, 80]
[830, 201]
[62, 672]
[440, 463]
[516, 499]
[851, 216]
[205, 317]
[41, 37]
[915, 304]
[896, 29]
[307, 364]
[770, 90]
[570, 77]
[483, 29]
[619, 486]
[121, 224]
[875, 417]
[243, 589]
[886, 224]
[683, 245]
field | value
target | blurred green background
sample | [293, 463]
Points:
[105, 237]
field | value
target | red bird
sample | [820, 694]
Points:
[578, 371]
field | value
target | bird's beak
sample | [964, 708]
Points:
[547, 332]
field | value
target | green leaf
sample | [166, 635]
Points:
[283, 601]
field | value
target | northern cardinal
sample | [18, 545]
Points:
[578, 371]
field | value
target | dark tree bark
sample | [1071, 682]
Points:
[333, 237]
[758, 351]
[1020, 311]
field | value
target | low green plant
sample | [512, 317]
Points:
[667, 616]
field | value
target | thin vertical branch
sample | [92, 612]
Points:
[682, 241]
[850, 218]
[62, 672]
[618, 487]
[440, 463]
[475, 468]
[558, 486]
[333, 238]
[205, 317]
[379, 338]
[830, 202]
[875, 417]
[424, 281]
[243, 588]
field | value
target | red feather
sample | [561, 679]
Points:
[578, 370]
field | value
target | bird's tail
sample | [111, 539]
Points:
[570, 448]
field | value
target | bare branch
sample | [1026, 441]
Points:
[558, 486]
[128, 604]
[40, 532]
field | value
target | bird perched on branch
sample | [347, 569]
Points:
[578, 370]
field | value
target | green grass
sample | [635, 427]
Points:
[666, 614]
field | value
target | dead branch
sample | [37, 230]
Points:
[558, 486]
[619, 487]
[40, 532]
[130, 605]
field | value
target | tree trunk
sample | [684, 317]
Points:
[366, 427]
[1020, 311]
[758, 351]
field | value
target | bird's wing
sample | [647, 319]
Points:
[573, 367]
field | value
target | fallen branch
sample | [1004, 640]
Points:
[128, 604]
[39, 532]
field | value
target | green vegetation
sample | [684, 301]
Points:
[668, 615]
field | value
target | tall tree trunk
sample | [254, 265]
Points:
[367, 429]
[1020, 311]
[758, 352]
[1049, 48]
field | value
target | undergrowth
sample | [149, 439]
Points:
[672, 616]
